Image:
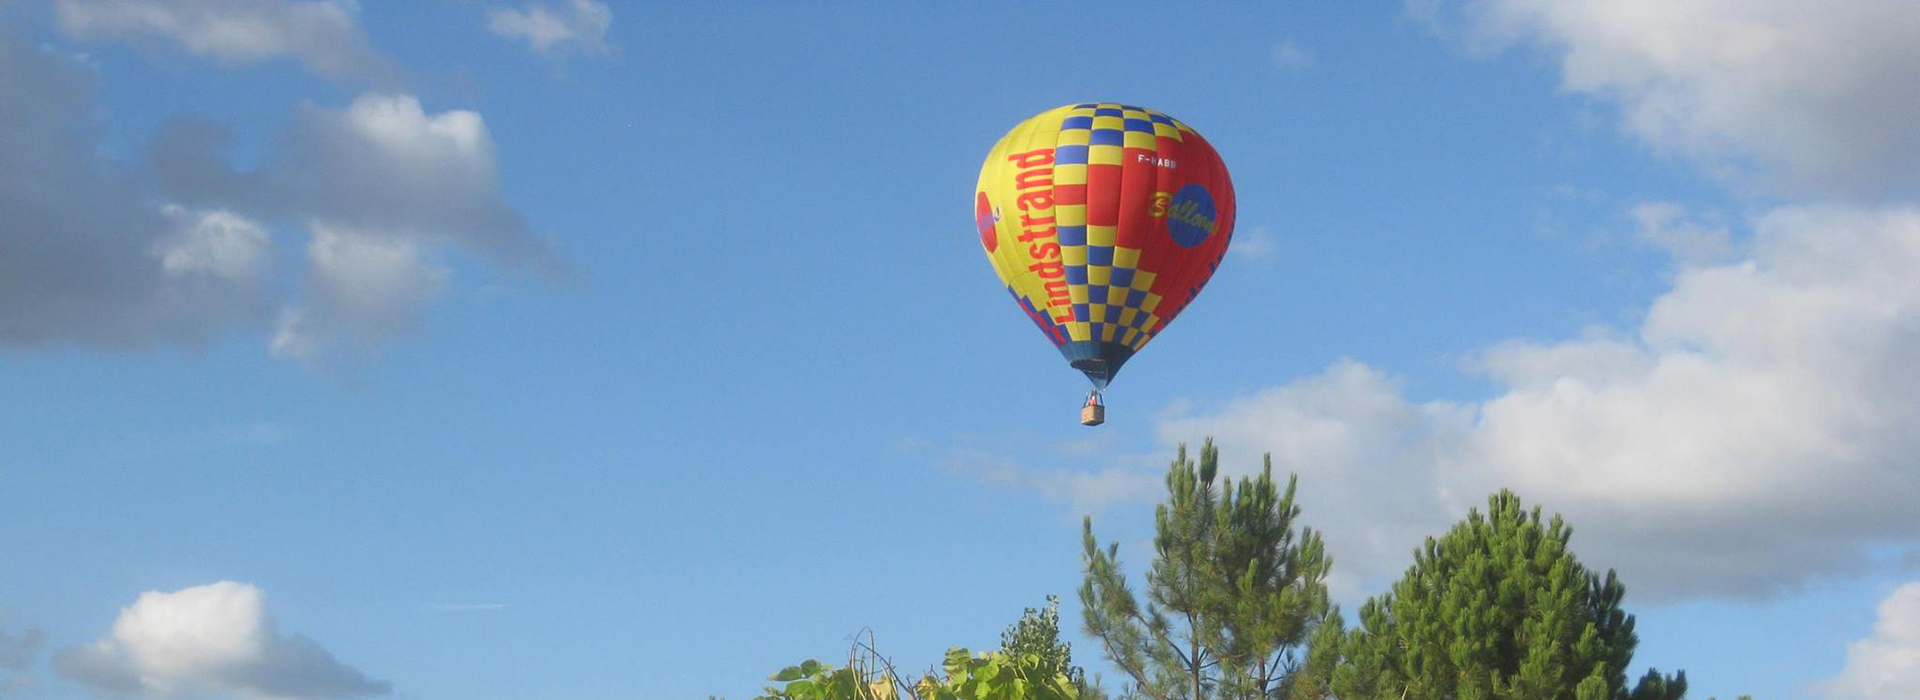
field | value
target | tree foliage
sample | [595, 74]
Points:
[1032, 664]
[1236, 608]
[1234, 593]
[1496, 609]
[1037, 633]
[993, 675]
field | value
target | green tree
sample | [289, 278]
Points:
[1032, 664]
[1233, 594]
[1497, 609]
[1037, 634]
[967, 676]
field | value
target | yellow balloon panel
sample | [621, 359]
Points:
[1103, 220]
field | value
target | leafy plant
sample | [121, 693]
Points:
[1032, 664]
[967, 676]
[1037, 633]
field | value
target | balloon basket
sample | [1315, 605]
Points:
[1093, 415]
[1094, 411]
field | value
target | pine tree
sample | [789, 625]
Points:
[1232, 596]
[1497, 609]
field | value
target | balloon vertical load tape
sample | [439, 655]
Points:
[1103, 220]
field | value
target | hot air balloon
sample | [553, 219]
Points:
[1103, 220]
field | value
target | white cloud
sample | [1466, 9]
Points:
[1291, 56]
[362, 291]
[385, 166]
[1257, 243]
[1752, 434]
[321, 34]
[1885, 666]
[84, 255]
[1364, 454]
[218, 244]
[207, 640]
[1664, 226]
[580, 24]
[96, 256]
[382, 185]
[16, 653]
[1816, 95]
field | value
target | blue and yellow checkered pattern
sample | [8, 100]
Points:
[1111, 301]
[1074, 207]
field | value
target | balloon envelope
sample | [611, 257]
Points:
[1104, 221]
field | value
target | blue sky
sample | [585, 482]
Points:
[507, 350]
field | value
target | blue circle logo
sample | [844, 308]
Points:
[1190, 219]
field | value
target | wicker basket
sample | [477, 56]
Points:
[1093, 415]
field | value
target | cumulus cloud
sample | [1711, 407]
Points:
[217, 244]
[16, 655]
[1814, 97]
[1664, 225]
[361, 291]
[1754, 432]
[178, 246]
[579, 25]
[85, 257]
[383, 184]
[322, 34]
[16, 652]
[385, 166]
[207, 640]
[1364, 454]
[1886, 665]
